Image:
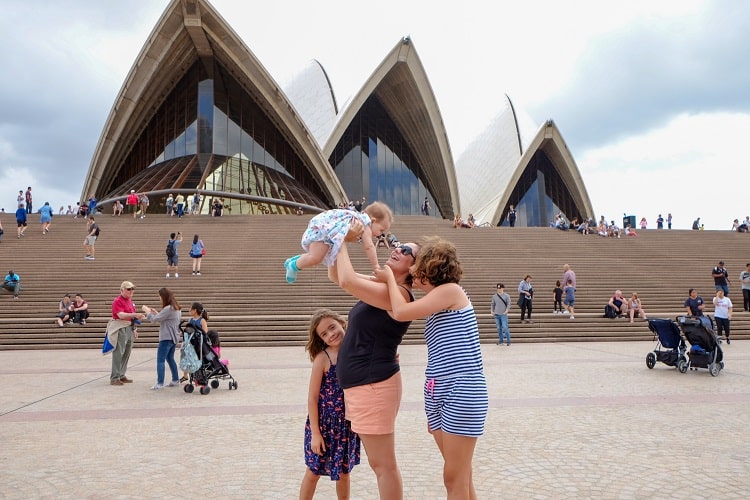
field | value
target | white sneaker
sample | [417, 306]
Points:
[566, 312]
[572, 317]
[167, 275]
[173, 383]
[176, 275]
[157, 386]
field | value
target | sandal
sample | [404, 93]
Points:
[183, 379]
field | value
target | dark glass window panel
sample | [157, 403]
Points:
[540, 195]
[387, 170]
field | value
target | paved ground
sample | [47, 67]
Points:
[568, 420]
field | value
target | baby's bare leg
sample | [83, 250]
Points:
[314, 255]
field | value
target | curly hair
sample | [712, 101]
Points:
[437, 262]
[315, 344]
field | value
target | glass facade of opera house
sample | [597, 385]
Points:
[210, 134]
[373, 160]
[540, 195]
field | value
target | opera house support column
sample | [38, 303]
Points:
[205, 118]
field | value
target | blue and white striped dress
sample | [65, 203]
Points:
[456, 398]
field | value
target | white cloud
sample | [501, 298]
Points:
[691, 167]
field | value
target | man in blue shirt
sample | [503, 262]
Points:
[721, 278]
[12, 283]
[21, 219]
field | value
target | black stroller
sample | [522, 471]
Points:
[674, 348]
[212, 370]
[705, 348]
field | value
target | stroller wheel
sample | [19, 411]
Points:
[714, 369]
[205, 390]
[215, 384]
[189, 388]
[650, 360]
[233, 385]
[682, 366]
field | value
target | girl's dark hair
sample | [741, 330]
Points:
[213, 336]
[558, 283]
[315, 344]
[195, 239]
[168, 298]
[199, 309]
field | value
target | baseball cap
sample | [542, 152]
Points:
[127, 284]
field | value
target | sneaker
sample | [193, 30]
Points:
[157, 386]
[83, 321]
[572, 317]
[566, 312]
[116, 382]
[15, 297]
[197, 273]
[193, 273]
[290, 265]
[173, 383]
[167, 275]
[176, 275]
[728, 341]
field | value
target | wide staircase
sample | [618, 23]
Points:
[243, 288]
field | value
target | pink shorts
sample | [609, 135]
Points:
[372, 408]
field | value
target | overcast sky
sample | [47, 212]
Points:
[652, 98]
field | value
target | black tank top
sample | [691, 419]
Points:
[368, 353]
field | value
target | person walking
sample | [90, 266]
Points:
[499, 306]
[92, 233]
[168, 318]
[45, 217]
[568, 275]
[172, 253]
[21, 220]
[28, 200]
[512, 216]
[745, 280]
[124, 322]
[525, 297]
[722, 314]
[570, 298]
[180, 202]
[197, 251]
[426, 207]
[132, 202]
[143, 202]
[721, 278]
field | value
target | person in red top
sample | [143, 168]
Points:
[132, 202]
[124, 310]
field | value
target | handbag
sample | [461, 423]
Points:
[521, 298]
[189, 361]
[203, 251]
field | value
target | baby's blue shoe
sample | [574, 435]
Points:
[290, 265]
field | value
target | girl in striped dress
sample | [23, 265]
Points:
[455, 390]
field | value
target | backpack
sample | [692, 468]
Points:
[609, 312]
[170, 248]
[97, 232]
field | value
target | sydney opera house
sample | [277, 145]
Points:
[198, 112]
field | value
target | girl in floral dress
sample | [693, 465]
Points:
[331, 447]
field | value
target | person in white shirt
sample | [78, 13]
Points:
[722, 314]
